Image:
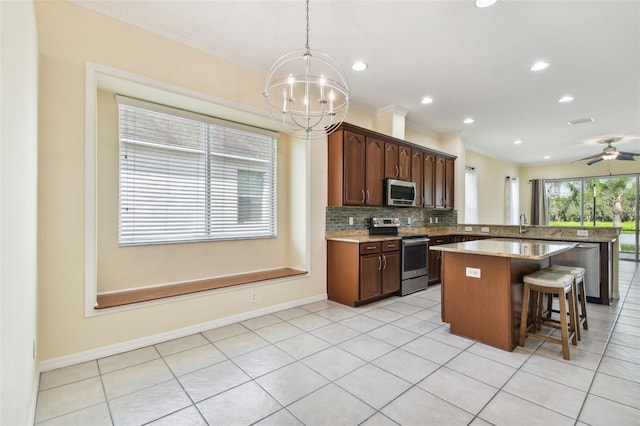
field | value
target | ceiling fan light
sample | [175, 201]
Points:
[610, 155]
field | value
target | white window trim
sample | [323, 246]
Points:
[102, 76]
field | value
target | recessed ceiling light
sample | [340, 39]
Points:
[485, 3]
[518, 142]
[546, 157]
[359, 66]
[566, 98]
[426, 100]
[539, 66]
[468, 120]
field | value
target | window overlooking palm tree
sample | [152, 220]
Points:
[600, 201]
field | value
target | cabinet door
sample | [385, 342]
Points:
[370, 272]
[390, 272]
[449, 183]
[391, 169]
[374, 180]
[404, 162]
[354, 169]
[416, 175]
[439, 182]
[428, 172]
[435, 258]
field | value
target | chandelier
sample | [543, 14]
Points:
[306, 92]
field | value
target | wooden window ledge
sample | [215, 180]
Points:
[121, 298]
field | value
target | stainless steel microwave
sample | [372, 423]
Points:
[400, 193]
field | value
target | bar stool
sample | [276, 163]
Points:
[578, 291]
[540, 283]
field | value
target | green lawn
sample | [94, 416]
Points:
[627, 227]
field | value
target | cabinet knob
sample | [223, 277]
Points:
[384, 260]
[379, 263]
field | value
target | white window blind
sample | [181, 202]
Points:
[189, 177]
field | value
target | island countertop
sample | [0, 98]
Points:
[513, 248]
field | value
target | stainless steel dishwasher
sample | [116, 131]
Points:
[587, 256]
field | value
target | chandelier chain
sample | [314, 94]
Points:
[307, 43]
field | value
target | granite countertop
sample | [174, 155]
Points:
[503, 247]
[364, 238]
[532, 232]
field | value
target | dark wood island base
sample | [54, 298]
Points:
[482, 286]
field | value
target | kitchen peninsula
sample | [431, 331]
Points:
[482, 285]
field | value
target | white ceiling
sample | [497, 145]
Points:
[473, 62]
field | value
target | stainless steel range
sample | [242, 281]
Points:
[414, 267]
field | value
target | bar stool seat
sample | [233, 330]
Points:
[578, 291]
[536, 285]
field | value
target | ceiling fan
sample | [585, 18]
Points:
[610, 153]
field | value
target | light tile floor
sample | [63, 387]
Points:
[387, 363]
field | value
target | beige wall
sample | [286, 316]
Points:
[69, 37]
[18, 212]
[491, 186]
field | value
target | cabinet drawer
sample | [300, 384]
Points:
[391, 245]
[440, 240]
[370, 248]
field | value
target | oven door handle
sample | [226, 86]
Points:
[415, 241]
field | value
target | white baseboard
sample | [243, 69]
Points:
[101, 352]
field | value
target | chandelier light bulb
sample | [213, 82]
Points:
[314, 76]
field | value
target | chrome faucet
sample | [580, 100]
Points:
[523, 221]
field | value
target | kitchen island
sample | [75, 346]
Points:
[482, 285]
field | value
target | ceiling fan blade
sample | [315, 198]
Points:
[632, 154]
[598, 155]
[595, 160]
[625, 156]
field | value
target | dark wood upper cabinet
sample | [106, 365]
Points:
[449, 183]
[374, 181]
[439, 182]
[360, 160]
[417, 157]
[404, 162]
[391, 170]
[354, 169]
[397, 161]
[428, 171]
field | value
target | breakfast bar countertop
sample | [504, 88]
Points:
[514, 248]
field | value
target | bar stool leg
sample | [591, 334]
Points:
[563, 325]
[583, 305]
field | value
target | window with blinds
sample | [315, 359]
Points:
[188, 177]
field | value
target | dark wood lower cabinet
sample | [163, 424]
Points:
[359, 273]
[435, 258]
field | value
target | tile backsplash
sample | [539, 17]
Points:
[337, 218]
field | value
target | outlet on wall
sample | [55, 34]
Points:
[254, 297]
[583, 233]
[473, 272]
[350, 221]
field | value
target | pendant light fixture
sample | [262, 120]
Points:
[306, 92]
